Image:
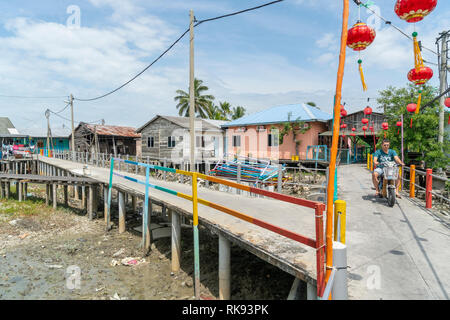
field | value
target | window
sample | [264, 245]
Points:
[272, 140]
[236, 141]
[200, 141]
[171, 142]
[151, 142]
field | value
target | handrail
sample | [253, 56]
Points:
[317, 243]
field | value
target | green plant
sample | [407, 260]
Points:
[422, 137]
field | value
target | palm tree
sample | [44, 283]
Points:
[220, 112]
[202, 102]
[238, 112]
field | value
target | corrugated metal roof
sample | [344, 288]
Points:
[6, 124]
[280, 114]
[207, 125]
[107, 130]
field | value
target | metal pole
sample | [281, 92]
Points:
[191, 93]
[403, 159]
[121, 212]
[108, 216]
[146, 215]
[73, 127]
[224, 268]
[340, 287]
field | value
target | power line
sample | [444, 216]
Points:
[31, 97]
[388, 22]
[61, 109]
[64, 118]
[174, 43]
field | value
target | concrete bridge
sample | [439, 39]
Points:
[393, 253]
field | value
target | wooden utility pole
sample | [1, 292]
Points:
[192, 92]
[73, 128]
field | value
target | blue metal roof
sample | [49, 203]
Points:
[280, 114]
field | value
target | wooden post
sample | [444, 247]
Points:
[146, 215]
[8, 189]
[176, 240]
[83, 197]
[47, 194]
[2, 187]
[412, 181]
[66, 196]
[91, 202]
[105, 203]
[121, 212]
[133, 203]
[25, 191]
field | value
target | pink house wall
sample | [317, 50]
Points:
[255, 144]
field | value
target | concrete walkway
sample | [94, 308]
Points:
[393, 253]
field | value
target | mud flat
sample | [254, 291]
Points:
[41, 248]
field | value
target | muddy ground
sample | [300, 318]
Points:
[41, 251]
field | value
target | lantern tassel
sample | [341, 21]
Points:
[361, 73]
[419, 101]
[448, 120]
[418, 61]
[410, 125]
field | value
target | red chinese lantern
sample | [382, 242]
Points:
[360, 36]
[421, 76]
[352, 134]
[343, 113]
[385, 126]
[343, 126]
[399, 124]
[353, 129]
[447, 104]
[367, 111]
[364, 129]
[412, 107]
[365, 121]
[414, 10]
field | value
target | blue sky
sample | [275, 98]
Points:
[284, 53]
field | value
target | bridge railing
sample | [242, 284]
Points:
[319, 208]
[426, 177]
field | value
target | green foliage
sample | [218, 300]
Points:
[201, 101]
[204, 105]
[423, 136]
[297, 127]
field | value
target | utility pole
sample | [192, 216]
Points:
[47, 115]
[442, 61]
[442, 80]
[191, 92]
[73, 128]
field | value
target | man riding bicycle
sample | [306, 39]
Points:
[380, 157]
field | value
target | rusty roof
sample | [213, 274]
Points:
[107, 130]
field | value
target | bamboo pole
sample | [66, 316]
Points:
[335, 141]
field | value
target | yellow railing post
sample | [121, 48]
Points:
[340, 212]
[368, 161]
[371, 162]
[412, 181]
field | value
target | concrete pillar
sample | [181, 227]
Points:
[176, 241]
[2, 187]
[8, 189]
[147, 240]
[19, 190]
[311, 292]
[76, 196]
[66, 196]
[55, 195]
[121, 212]
[83, 197]
[224, 268]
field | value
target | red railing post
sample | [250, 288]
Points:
[428, 195]
[320, 249]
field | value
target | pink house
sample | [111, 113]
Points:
[257, 135]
